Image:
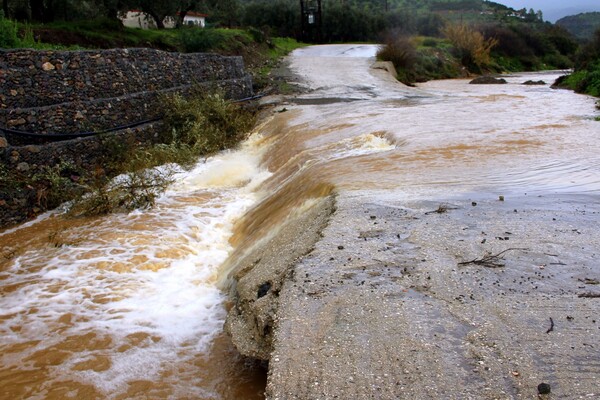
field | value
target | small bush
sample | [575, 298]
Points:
[195, 125]
[8, 33]
[399, 50]
[133, 190]
[205, 122]
[472, 47]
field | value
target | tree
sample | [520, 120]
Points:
[227, 12]
[38, 10]
[158, 10]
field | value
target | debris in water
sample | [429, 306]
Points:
[590, 281]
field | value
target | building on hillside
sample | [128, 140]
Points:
[195, 19]
[139, 19]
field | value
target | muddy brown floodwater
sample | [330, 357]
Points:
[131, 306]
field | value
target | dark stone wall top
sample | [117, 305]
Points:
[30, 78]
[67, 92]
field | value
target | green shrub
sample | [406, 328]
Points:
[430, 42]
[195, 125]
[201, 40]
[585, 81]
[557, 61]
[8, 33]
[54, 185]
[205, 122]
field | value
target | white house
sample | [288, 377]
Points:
[139, 19]
[195, 19]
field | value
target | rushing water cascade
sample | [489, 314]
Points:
[128, 306]
[125, 305]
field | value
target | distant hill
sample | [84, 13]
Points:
[583, 25]
[470, 11]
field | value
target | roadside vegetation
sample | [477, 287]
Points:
[586, 76]
[196, 125]
[461, 49]
[130, 176]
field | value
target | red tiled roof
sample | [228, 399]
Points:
[190, 13]
[194, 14]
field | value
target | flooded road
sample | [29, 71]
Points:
[449, 135]
[130, 306]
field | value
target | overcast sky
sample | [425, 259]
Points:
[554, 9]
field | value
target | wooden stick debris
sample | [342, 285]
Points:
[492, 260]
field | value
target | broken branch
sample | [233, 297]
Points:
[492, 260]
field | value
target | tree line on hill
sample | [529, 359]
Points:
[513, 39]
[342, 19]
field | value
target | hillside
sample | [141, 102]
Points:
[366, 20]
[583, 25]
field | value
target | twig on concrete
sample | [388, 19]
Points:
[590, 295]
[442, 208]
[551, 326]
[492, 260]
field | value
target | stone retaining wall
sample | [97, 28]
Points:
[83, 153]
[102, 114]
[30, 78]
[83, 91]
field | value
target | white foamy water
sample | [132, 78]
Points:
[141, 286]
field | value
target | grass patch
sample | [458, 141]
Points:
[103, 33]
[212, 39]
[586, 80]
[283, 46]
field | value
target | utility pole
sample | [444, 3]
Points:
[311, 20]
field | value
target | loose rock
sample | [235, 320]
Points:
[544, 388]
[530, 82]
[488, 80]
